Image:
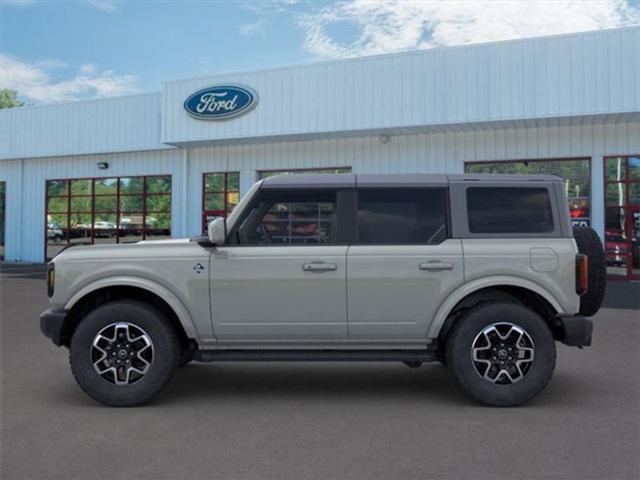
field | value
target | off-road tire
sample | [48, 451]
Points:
[166, 353]
[589, 244]
[458, 351]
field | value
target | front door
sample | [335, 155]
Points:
[402, 265]
[283, 276]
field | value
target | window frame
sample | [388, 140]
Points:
[447, 215]
[460, 214]
[588, 178]
[90, 240]
[627, 207]
[205, 212]
[343, 203]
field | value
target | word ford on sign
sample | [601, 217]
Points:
[220, 102]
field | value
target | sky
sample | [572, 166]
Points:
[58, 51]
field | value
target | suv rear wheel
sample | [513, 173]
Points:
[503, 354]
[123, 353]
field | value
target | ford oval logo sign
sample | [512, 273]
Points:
[221, 102]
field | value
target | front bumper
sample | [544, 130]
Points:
[53, 324]
[575, 330]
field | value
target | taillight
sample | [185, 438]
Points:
[51, 278]
[582, 274]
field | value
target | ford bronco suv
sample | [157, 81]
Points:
[482, 273]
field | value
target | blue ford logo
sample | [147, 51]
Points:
[221, 102]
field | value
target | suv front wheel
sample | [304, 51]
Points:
[123, 353]
[503, 354]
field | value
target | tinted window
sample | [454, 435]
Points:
[401, 216]
[509, 210]
[290, 218]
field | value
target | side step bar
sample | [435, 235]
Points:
[314, 356]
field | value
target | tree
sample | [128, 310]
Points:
[9, 99]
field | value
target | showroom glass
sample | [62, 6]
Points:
[499, 210]
[3, 188]
[220, 195]
[622, 216]
[270, 173]
[290, 218]
[576, 173]
[107, 210]
[403, 216]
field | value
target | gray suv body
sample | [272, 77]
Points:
[481, 272]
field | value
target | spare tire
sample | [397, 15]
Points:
[589, 244]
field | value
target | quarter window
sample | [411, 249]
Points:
[509, 210]
[290, 219]
[575, 172]
[403, 216]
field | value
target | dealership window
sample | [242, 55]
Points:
[622, 216]
[519, 210]
[220, 195]
[576, 173]
[106, 210]
[290, 218]
[3, 187]
[270, 173]
[407, 216]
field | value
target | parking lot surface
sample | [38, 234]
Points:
[328, 420]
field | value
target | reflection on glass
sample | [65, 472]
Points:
[579, 208]
[57, 187]
[615, 169]
[106, 204]
[634, 168]
[80, 187]
[131, 185]
[634, 193]
[158, 184]
[158, 203]
[616, 194]
[214, 201]
[214, 182]
[86, 210]
[106, 186]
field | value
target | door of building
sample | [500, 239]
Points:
[622, 217]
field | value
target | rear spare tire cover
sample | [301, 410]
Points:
[589, 244]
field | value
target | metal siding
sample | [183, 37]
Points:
[569, 75]
[26, 191]
[120, 124]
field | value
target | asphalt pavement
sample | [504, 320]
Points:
[324, 421]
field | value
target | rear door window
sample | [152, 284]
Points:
[519, 210]
[401, 216]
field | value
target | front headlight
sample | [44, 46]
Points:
[51, 278]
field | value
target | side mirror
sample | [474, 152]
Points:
[217, 231]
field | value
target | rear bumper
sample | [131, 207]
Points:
[575, 330]
[53, 324]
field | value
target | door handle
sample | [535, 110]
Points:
[436, 266]
[319, 267]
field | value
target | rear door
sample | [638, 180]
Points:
[403, 263]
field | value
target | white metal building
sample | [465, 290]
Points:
[126, 168]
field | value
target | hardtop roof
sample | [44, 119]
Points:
[350, 180]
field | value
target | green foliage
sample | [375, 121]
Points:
[9, 99]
